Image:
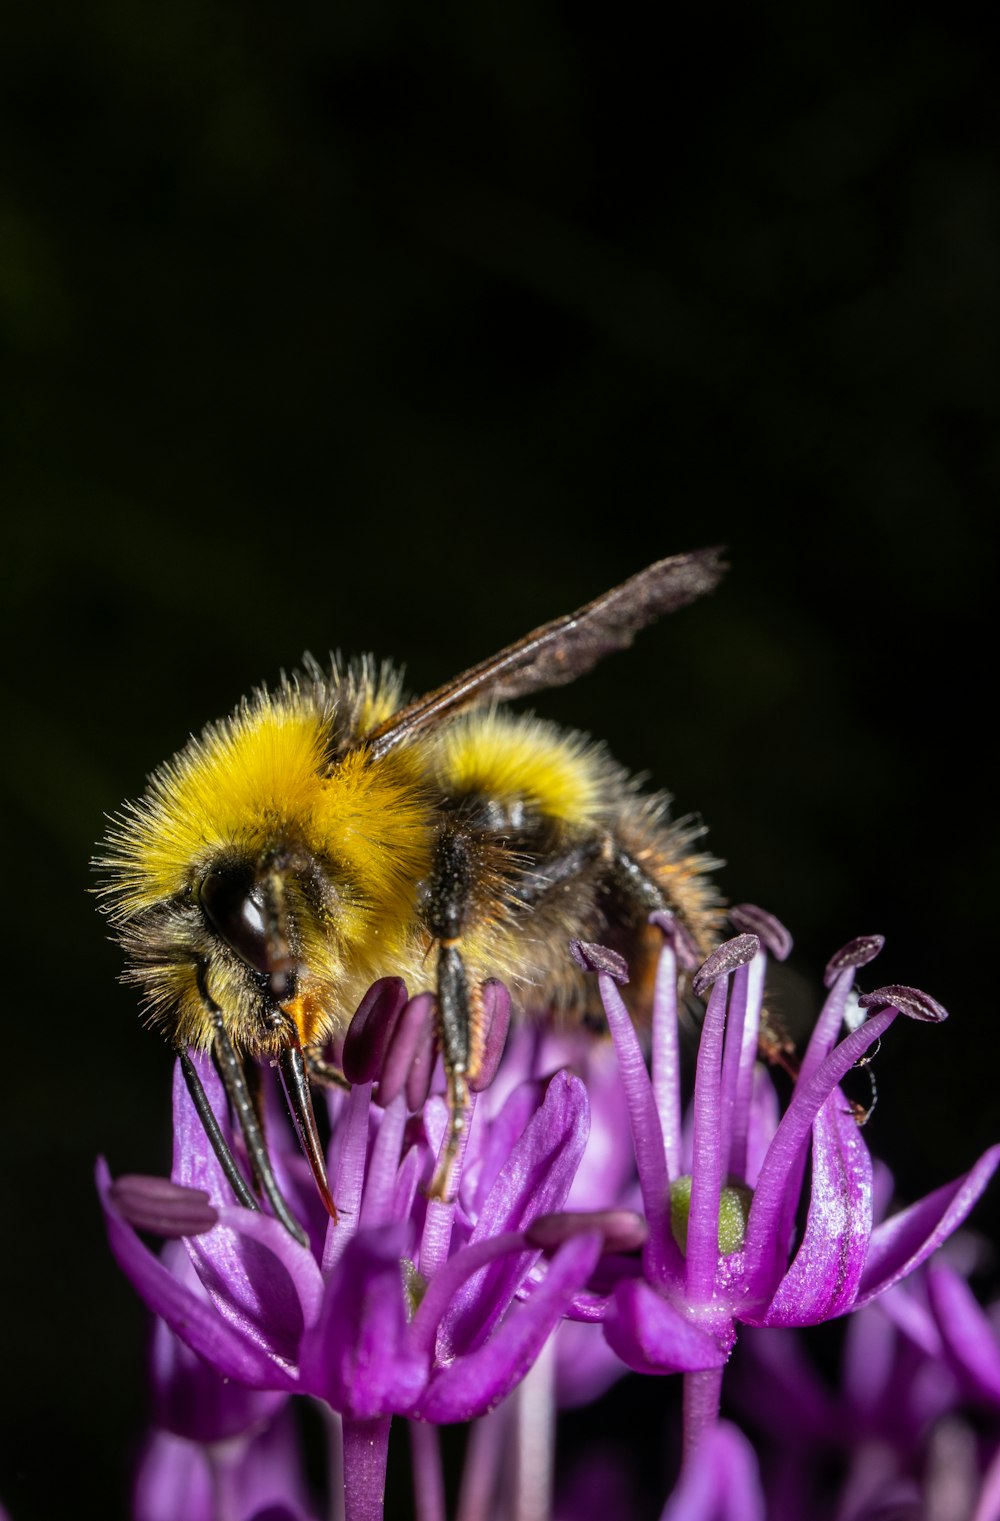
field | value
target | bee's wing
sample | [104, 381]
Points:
[560, 651]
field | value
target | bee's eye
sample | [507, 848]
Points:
[235, 910]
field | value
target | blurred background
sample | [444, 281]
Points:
[403, 329]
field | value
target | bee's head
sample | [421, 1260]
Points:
[248, 911]
[251, 939]
[251, 881]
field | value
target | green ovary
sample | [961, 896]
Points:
[734, 1207]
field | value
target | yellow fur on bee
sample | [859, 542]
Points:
[258, 778]
[510, 758]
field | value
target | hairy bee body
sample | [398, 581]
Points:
[327, 834]
[533, 832]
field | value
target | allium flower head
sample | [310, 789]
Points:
[406, 1305]
[676, 1224]
[721, 1195]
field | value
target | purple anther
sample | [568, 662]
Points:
[622, 1229]
[413, 1029]
[772, 934]
[912, 1002]
[726, 958]
[418, 1078]
[161, 1207]
[857, 952]
[685, 947]
[599, 958]
[496, 1014]
[371, 1030]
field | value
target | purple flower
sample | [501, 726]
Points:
[585, 1366]
[253, 1477]
[721, 1195]
[191, 1399]
[970, 1338]
[848, 1450]
[720, 1482]
[407, 1306]
[892, 1435]
[970, 1346]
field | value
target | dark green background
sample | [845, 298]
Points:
[406, 328]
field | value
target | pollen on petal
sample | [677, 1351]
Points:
[599, 958]
[726, 958]
[857, 952]
[912, 1002]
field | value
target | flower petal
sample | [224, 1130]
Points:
[904, 1241]
[352, 1154]
[190, 1314]
[534, 1181]
[702, 1249]
[261, 1477]
[191, 1399]
[585, 1364]
[969, 1339]
[762, 1122]
[490, 1148]
[174, 1479]
[651, 1335]
[195, 1164]
[478, 1381]
[823, 1279]
[259, 1278]
[359, 1356]
[775, 1199]
[661, 1252]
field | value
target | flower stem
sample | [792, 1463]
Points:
[224, 1459]
[988, 1506]
[428, 1478]
[366, 1448]
[483, 1459]
[702, 1391]
[535, 1417]
[334, 1429]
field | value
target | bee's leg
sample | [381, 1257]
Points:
[298, 1095]
[217, 1140]
[459, 1006]
[322, 1072]
[230, 1069]
[634, 882]
[234, 1081]
[252, 1076]
[535, 884]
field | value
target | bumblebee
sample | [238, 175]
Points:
[329, 833]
